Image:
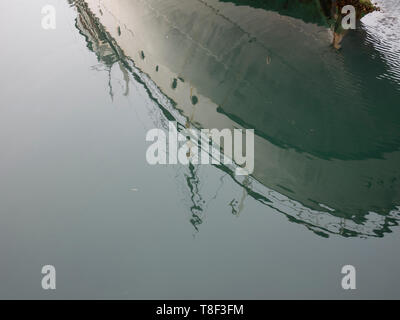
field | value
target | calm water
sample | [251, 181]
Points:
[76, 191]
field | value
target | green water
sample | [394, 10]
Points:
[76, 191]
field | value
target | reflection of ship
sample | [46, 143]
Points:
[328, 144]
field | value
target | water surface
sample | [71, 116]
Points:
[76, 190]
